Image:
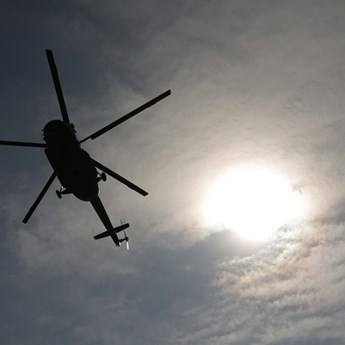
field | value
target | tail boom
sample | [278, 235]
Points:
[110, 230]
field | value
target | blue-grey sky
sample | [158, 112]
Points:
[253, 82]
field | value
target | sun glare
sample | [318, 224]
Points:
[254, 202]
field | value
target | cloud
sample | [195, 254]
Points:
[251, 82]
[287, 293]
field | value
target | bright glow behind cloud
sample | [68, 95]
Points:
[254, 201]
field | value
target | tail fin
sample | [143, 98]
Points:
[109, 233]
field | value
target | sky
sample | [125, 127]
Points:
[255, 84]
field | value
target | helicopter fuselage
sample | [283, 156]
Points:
[72, 165]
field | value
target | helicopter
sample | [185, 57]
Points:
[77, 172]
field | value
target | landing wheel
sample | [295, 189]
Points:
[58, 193]
[103, 176]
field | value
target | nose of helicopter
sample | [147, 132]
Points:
[57, 131]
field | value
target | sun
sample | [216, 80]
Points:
[252, 201]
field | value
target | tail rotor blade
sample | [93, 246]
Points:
[39, 198]
[120, 178]
[57, 85]
[127, 116]
[126, 239]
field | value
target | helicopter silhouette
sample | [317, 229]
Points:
[73, 166]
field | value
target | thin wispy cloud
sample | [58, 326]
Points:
[257, 83]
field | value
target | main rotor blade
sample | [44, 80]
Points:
[120, 178]
[127, 116]
[21, 143]
[57, 85]
[39, 198]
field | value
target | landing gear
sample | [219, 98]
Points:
[102, 177]
[62, 191]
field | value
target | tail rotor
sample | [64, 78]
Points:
[126, 238]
